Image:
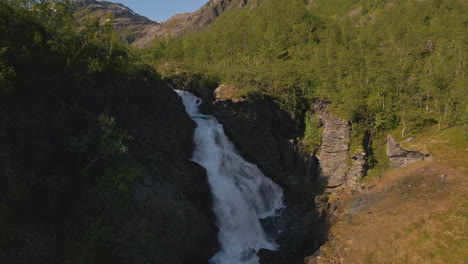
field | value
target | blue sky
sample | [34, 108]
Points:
[161, 10]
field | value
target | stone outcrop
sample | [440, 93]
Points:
[333, 153]
[357, 170]
[400, 157]
[338, 167]
[226, 92]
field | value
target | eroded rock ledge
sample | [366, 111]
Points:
[400, 157]
[338, 167]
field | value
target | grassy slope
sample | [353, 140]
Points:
[418, 214]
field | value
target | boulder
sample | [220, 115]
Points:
[226, 92]
[400, 157]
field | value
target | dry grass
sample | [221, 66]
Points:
[418, 214]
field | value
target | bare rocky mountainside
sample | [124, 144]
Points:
[131, 26]
[139, 31]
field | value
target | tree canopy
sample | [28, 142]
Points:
[397, 60]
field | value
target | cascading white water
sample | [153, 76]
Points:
[242, 195]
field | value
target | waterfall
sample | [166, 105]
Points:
[242, 195]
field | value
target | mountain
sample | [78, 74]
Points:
[184, 23]
[139, 31]
[131, 26]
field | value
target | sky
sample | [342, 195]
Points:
[162, 10]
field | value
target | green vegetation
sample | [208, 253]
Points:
[74, 175]
[382, 63]
[111, 142]
[40, 40]
[312, 134]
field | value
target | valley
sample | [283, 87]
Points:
[248, 131]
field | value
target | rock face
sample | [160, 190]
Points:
[226, 92]
[401, 157]
[265, 135]
[261, 133]
[49, 205]
[357, 169]
[335, 145]
[334, 156]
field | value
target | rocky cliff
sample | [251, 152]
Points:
[265, 135]
[338, 167]
[333, 153]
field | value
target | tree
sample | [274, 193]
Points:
[111, 140]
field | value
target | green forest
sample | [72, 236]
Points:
[381, 63]
[66, 171]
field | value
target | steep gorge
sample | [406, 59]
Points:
[267, 136]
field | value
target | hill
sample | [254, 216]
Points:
[376, 61]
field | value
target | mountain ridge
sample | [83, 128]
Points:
[139, 31]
